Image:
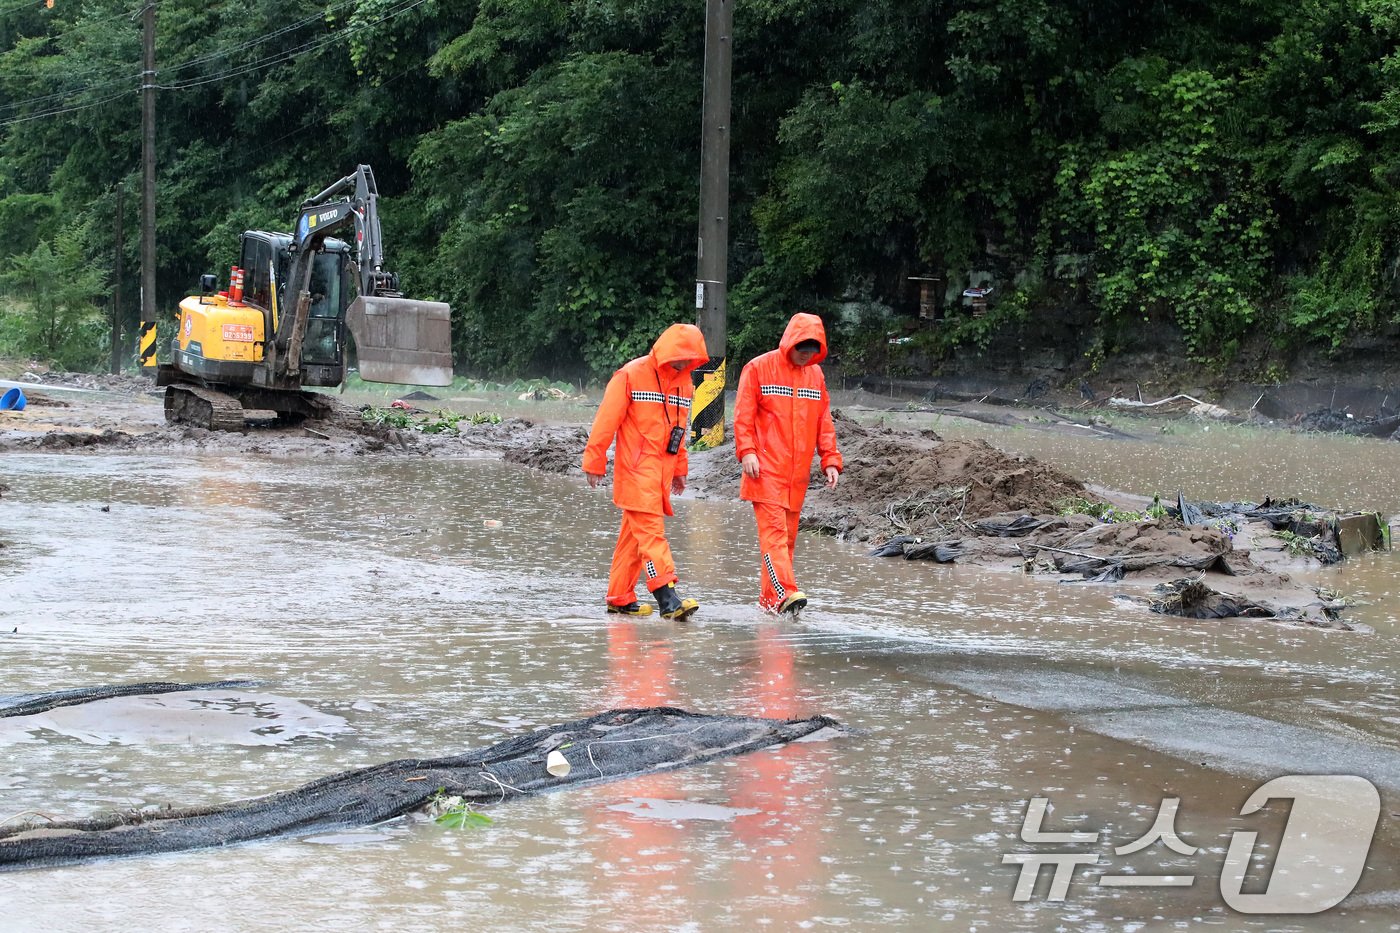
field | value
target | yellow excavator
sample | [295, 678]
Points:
[281, 325]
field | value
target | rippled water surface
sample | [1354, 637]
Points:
[382, 617]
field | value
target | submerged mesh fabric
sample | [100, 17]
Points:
[618, 743]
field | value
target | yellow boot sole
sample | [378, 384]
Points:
[632, 609]
[794, 602]
[687, 609]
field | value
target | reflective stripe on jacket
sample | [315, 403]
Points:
[783, 414]
[644, 400]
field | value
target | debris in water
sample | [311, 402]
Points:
[616, 744]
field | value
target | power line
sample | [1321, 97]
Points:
[314, 45]
[53, 113]
[311, 46]
[218, 53]
[17, 73]
[121, 81]
[178, 66]
[223, 53]
[69, 94]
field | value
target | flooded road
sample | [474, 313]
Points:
[383, 614]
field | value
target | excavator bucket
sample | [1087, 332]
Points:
[401, 340]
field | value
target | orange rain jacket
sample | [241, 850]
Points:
[783, 414]
[644, 400]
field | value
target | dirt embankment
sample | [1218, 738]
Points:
[915, 495]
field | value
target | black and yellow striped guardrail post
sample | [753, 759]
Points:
[707, 407]
[146, 352]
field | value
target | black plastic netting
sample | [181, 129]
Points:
[615, 744]
[27, 704]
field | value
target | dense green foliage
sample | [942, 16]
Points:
[1224, 170]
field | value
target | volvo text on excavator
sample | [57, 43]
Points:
[283, 326]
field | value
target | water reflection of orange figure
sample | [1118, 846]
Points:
[787, 788]
[645, 860]
[638, 675]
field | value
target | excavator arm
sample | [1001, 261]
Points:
[398, 339]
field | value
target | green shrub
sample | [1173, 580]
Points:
[55, 317]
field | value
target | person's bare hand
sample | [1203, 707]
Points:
[678, 484]
[593, 479]
[750, 465]
[832, 475]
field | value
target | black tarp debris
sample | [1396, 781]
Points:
[894, 547]
[944, 552]
[615, 744]
[913, 548]
[27, 704]
[1384, 424]
[1010, 526]
[1192, 599]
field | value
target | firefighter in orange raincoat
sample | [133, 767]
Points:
[782, 416]
[647, 408]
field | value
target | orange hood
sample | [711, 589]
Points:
[802, 327]
[679, 343]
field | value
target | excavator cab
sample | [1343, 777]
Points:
[265, 259]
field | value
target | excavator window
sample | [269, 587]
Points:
[323, 327]
[325, 285]
[257, 268]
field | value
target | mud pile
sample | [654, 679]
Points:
[1199, 571]
[896, 482]
[556, 450]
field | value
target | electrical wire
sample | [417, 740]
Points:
[314, 45]
[309, 47]
[224, 53]
[65, 95]
[125, 80]
[53, 113]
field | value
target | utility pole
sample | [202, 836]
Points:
[116, 360]
[712, 248]
[147, 351]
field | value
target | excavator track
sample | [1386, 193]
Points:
[204, 408]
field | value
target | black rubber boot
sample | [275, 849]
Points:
[671, 605]
[794, 603]
[633, 608]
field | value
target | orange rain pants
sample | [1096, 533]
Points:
[777, 538]
[641, 549]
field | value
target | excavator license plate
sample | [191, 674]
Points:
[401, 340]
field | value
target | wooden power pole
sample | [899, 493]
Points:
[712, 252]
[147, 343]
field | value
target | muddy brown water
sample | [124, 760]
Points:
[384, 618]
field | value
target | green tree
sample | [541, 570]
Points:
[58, 288]
[569, 240]
[1177, 224]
